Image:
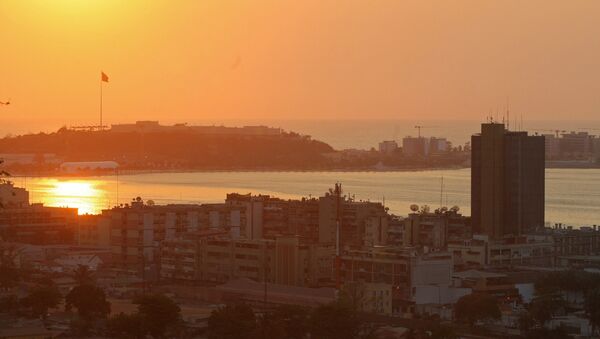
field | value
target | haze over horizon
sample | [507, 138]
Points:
[217, 61]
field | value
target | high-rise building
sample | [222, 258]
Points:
[507, 181]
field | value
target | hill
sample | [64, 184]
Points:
[176, 149]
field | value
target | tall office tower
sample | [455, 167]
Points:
[507, 181]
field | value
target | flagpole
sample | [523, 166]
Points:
[100, 101]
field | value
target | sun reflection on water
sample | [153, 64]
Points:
[85, 195]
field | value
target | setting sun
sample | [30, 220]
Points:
[74, 189]
[83, 195]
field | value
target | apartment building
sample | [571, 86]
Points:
[138, 230]
[362, 223]
[93, 230]
[28, 223]
[218, 259]
[312, 219]
[568, 241]
[39, 224]
[435, 230]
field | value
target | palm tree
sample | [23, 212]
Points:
[83, 275]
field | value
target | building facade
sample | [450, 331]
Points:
[507, 181]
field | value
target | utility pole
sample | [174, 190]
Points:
[265, 273]
[338, 197]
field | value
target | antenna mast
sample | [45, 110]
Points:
[442, 191]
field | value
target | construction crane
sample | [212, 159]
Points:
[556, 131]
[419, 127]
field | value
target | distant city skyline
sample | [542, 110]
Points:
[339, 133]
[295, 60]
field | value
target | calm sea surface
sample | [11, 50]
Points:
[572, 195]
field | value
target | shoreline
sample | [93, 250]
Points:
[258, 170]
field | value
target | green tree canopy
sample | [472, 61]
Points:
[232, 322]
[546, 306]
[336, 320]
[83, 275]
[159, 314]
[9, 273]
[42, 298]
[90, 302]
[125, 326]
[592, 308]
[295, 320]
[475, 307]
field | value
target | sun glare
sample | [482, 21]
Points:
[74, 189]
[83, 195]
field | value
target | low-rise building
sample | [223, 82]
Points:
[435, 230]
[11, 196]
[388, 147]
[39, 224]
[28, 223]
[404, 269]
[579, 241]
[480, 251]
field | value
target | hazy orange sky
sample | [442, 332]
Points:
[211, 60]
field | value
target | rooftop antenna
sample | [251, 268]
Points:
[441, 191]
[497, 110]
[507, 114]
[521, 121]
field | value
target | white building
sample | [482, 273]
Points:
[388, 147]
[11, 196]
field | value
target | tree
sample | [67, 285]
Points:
[334, 320]
[158, 313]
[83, 275]
[90, 302]
[42, 298]
[9, 273]
[526, 322]
[294, 319]
[475, 307]
[544, 307]
[285, 322]
[268, 326]
[125, 326]
[231, 322]
[592, 308]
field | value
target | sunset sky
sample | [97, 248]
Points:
[211, 60]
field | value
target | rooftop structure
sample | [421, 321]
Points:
[155, 127]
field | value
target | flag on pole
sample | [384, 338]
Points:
[103, 77]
